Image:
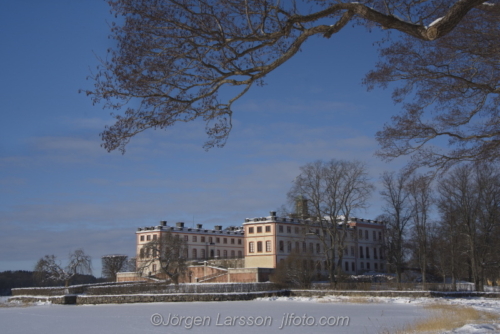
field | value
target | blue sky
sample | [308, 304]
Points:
[60, 190]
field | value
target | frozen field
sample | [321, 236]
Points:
[270, 315]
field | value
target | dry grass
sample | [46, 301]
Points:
[447, 317]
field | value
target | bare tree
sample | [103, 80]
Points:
[397, 215]
[420, 191]
[173, 57]
[113, 264]
[450, 90]
[167, 254]
[299, 269]
[488, 183]
[47, 269]
[459, 190]
[335, 190]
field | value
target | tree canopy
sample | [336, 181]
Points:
[173, 57]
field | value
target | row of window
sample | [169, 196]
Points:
[297, 230]
[195, 254]
[194, 238]
[148, 237]
[365, 251]
[259, 229]
[367, 235]
[362, 266]
[322, 265]
[281, 246]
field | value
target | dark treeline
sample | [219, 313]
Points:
[23, 278]
[447, 226]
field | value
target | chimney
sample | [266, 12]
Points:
[218, 227]
[179, 224]
[163, 222]
[199, 226]
[273, 213]
[301, 209]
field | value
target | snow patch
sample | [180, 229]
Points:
[435, 21]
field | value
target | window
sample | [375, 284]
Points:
[154, 268]
[141, 253]
[268, 228]
[217, 240]
[317, 231]
[148, 238]
[296, 230]
[288, 229]
[232, 254]
[381, 266]
[375, 253]
[148, 252]
[224, 240]
[318, 249]
[250, 230]
[352, 250]
[240, 254]
[186, 253]
[259, 246]
[353, 267]
[259, 229]
[154, 236]
[374, 235]
[367, 252]
[224, 254]
[202, 253]
[346, 251]
[232, 241]
[280, 228]
[368, 265]
[379, 235]
[239, 241]
[289, 246]
[186, 238]
[210, 239]
[297, 247]
[194, 238]
[218, 253]
[361, 252]
[202, 239]
[268, 246]
[346, 266]
[251, 247]
[366, 234]
[282, 246]
[376, 266]
[304, 247]
[362, 265]
[195, 254]
[142, 238]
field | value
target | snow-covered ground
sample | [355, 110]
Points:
[286, 315]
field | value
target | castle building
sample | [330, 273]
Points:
[270, 240]
[201, 244]
[264, 242]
